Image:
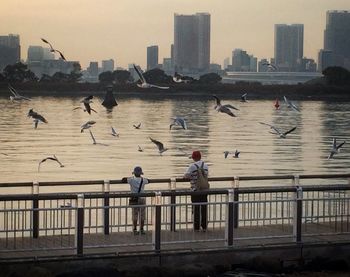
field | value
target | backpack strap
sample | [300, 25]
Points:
[140, 185]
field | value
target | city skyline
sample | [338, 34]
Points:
[95, 31]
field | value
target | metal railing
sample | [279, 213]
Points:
[79, 223]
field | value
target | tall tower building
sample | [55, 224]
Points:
[108, 65]
[152, 57]
[289, 46]
[192, 42]
[10, 50]
[337, 37]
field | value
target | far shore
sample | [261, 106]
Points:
[255, 91]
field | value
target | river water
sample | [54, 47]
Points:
[304, 151]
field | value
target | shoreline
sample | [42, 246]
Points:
[255, 92]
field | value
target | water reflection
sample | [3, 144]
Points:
[303, 151]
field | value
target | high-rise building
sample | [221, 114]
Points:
[337, 38]
[10, 50]
[241, 61]
[108, 65]
[192, 42]
[152, 57]
[35, 54]
[226, 62]
[289, 46]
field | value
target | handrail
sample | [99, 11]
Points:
[180, 180]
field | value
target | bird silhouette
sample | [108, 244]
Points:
[53, 49]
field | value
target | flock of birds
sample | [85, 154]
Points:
[176, 121]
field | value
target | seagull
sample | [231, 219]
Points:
[114, 133]
[179, 121]
[278, 132]
[244, 97]
[277, 104]
[335, 148]
[144, 84]
[86, 101]
[87, 125]
[36, 118]
[178, 78]
[224, 108]
[16, 96]
[291, 104]
[138, 126]
[53, 50]
[54, 158]
[236, 154]
[160, 145]
[226, 153]
[139, 149]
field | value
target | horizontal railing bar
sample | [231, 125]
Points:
[167, 180]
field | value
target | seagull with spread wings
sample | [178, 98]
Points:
[138, 126]
[36, 118]
[87, 125]
[277, 131]
[53, 50]
[54, 158]
[144, 83]
[86, 101]
[224, 108]
[160, 145]
[114, 132]
[179, 121]
[335, 148]
[16, 96]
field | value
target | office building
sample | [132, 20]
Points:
[241, 61]
[289, 46]
[336, 40]
[10, 50]
[152, 57]
[192, 43]
[108, 65]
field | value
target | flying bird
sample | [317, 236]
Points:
[86, 101]
[138, 126]
[16, 96]
[114, 133]
[291, 104]
[87, 125]
[236, 153]
[139, 149]
[160, 145]
[178, 78]
[244, 97]
[179, 121]
[54, 158]
[224, 108]
[277, 131]
[36, 118]
[335, 148]
[144, 83]
[53, 49]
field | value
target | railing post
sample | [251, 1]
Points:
[106, 190]
[35, 192]
[298, 212]
[79, 233]
[229, 218]
[235, 199]
[157, 221]
[172, 205]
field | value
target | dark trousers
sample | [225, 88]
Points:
[200, 211]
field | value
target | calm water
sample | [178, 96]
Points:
[304, 151]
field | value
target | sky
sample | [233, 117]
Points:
[96, 30]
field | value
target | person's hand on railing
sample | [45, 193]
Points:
[124, 180]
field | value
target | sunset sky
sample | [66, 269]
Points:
[95, 30]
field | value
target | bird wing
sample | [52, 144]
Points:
[155, 86]
[140, 74]
[36, 122]
[87, 107]
[286, 100]
[218, 101]
[230, 106]
[340, 145]
[276, 130]
[226, 110]
[183, 123]
[59, 52]
[92, 136]
[13, 91]
[294, 107]
[334, 144]
[226, 154]
[177, 80]
[289, 131]
[158, 143]
[263, 123]
[44, 40]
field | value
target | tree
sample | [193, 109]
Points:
[336, 75]
[157, 76]
[210, 78]
[106, 77]
[121, 76]
[75, 74]
[18, 72]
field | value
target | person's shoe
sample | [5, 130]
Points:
[142, 232]
[135, 232]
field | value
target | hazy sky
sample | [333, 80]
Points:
[95, 30]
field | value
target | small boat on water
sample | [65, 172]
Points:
[109, 100]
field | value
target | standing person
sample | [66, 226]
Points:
[199, 211]
[137, 185]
